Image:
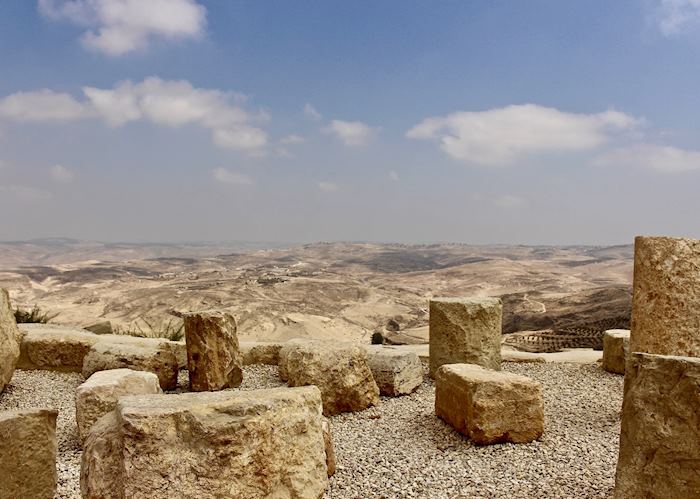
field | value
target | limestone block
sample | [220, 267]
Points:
[287, 347]
[616, 344]
[660, 437]
[213, 359]
[260, 352]
[339, 370]
[28, 454]
[252, 444]
[396, 371]
[489, 406]
[465, 331]
[666, 296]
[139, 354]
[9, 340]
[54, 348]
[100, 393]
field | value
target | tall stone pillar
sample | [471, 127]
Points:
[666, 297]
[465, 331]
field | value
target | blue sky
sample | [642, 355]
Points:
[540, 122]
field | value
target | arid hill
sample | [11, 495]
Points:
[328, 290]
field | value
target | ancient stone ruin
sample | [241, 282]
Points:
[465, 330]
[660, 440]
[616, 345]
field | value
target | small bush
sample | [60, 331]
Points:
[377, 338]
[173, 329]
[33, 316]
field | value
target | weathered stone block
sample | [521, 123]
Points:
[489, 406]
[100, 393]
[465, 331]
[396, 372]
[28, 454]
[139, 354]
[9, 340]
[666, 296]
[339, 370]
[252, 444]
[660, 437]
[213, 359]
[260, 352]
[54, 348]
[616, 343]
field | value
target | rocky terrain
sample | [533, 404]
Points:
[336, 290]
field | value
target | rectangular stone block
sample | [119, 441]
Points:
[660, 437]
[396, 371]
[28, 454]
[54, 348]
[260, 352]
[666, 296]
[247, 444]
[616, 344]
[9, 340]
[489, 406]
[465, 331]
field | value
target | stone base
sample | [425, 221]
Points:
[396, 372]
[489, 406]
[660, 437]
[28, 454]
[252, 444]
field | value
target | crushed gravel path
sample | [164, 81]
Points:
[400, 449]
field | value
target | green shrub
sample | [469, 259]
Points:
[173, 329]
[33, 316]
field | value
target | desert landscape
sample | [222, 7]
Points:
[340, 291]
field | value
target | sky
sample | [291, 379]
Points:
[482, 121]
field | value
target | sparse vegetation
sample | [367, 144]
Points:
[173, 329]
[33, 316]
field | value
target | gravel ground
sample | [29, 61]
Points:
[400, 449]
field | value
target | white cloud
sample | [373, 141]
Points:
[351, 133]
[61, 174]
[393, 175]
[229, 177]
[311, 112]
[293, 139]
[41, 106]
[328, 186]
[504, 135]
[118, 27]
[665, 159]
[675, 16]
[161, 102]
[509, 201]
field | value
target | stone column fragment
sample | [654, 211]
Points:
[465, 331]
[28, 454]
[213, 357]
[660, 437]
[666, 297]
[616, 345]
[9, 340]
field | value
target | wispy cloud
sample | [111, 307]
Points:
[24, 192]
[351, 133]
[504, 135]
[61, 174]
[118, 27]
[666, 159]
[676, 16]
[161, 102]
[328, 186]
[230, 177]
[293, 139]
[311, 112]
